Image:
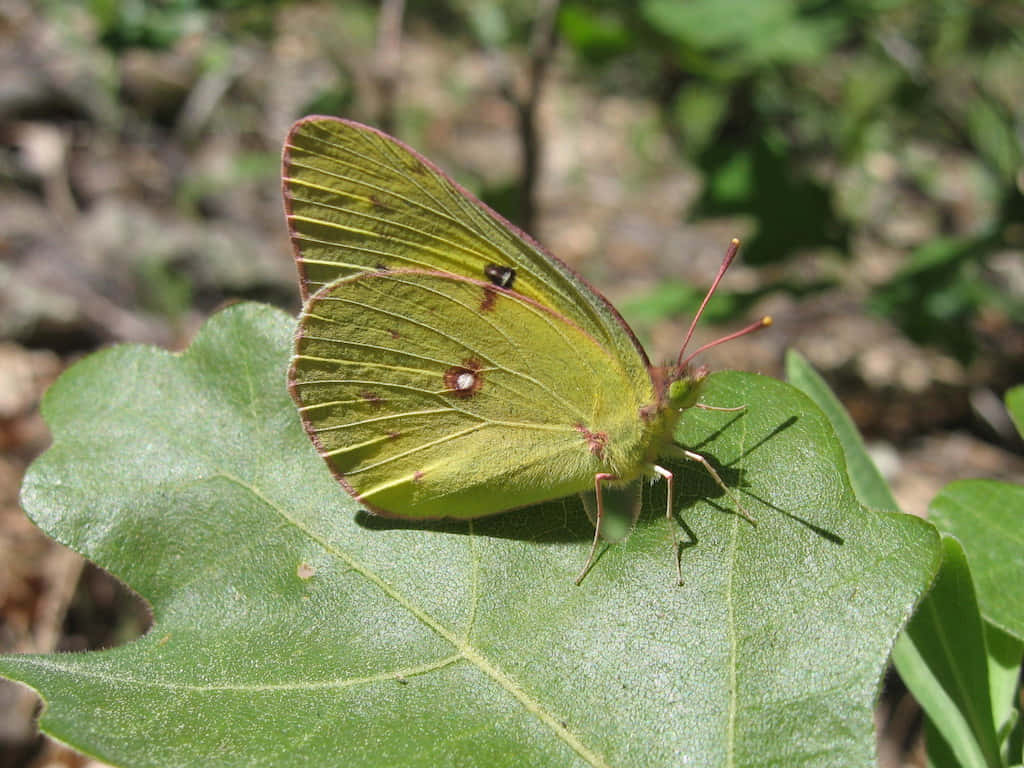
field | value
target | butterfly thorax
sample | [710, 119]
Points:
[633, 449]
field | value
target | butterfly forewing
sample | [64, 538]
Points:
[432, 395]
[359, 200]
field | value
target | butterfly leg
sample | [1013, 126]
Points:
[676, 543]
[598, 479]
[704, 407]
[692, 456]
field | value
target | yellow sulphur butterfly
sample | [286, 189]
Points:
[445, 365]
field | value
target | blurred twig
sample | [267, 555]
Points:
[44, 153]
[387, 60]
[543, 39]
[542, 47]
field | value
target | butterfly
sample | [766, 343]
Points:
[447, 366]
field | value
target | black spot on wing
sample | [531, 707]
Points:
[503, 277]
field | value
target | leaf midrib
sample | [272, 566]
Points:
[730, 734]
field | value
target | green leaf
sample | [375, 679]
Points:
[994, 136]
[1005, 653]
[598, 34]
[1015, 405]
[950, 725]
[867, 481]
[941, 657]
[988, 518]
[290, 628]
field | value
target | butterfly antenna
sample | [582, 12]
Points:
[764, 322]
[757, 325]
[730, 254]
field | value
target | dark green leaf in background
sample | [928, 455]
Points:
[993, 136]
[941, 656]
[1015, 405]
[290, 628]
[599, 34]
[758, 179]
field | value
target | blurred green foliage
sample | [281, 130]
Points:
[941, 289]
[778, 101]
[125, 23]
[161, 23]
[675, 298]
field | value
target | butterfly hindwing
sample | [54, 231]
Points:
[432, 395]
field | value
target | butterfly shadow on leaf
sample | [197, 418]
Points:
[552, 522]
[565, 520]
[693, 483]
[734, 479]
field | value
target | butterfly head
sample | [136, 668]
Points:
[684, 388]
[677, 388]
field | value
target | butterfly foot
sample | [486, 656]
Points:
[721, 484]
[579, 579]
[590, 559]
